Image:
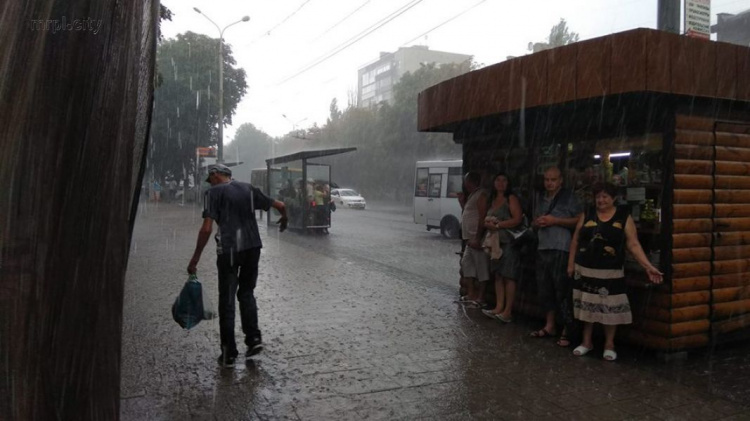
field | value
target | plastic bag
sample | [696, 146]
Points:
[187, 309]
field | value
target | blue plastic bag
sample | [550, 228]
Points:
[187, 309]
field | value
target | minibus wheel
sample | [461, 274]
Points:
[449, 227]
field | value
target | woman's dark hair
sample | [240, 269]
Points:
[508, 190]
[608, 188]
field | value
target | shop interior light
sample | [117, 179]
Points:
[614, 155]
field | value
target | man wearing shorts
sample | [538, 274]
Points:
[475, 263]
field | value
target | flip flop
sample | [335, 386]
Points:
[489, 314]
[503, 319]
[563, 341]
[541, 333]
[581, 350]
[609, 355]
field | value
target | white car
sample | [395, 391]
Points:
[348, 197]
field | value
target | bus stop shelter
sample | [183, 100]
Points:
[303, 186]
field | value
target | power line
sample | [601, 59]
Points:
[449, 20]
[354, 39]
[268, 32]
[342, 20]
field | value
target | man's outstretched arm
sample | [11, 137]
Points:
[203, 235]
[279, 206]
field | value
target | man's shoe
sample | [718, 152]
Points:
[254, 348]
[226, 362]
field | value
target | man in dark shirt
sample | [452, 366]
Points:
[232, 204]
[556, 212]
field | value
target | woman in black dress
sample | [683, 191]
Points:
[597, 257]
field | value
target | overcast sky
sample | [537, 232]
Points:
[284, 37]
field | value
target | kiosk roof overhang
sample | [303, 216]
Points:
[307, 155]
[636, 61]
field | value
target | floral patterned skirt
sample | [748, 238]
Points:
[600, 296]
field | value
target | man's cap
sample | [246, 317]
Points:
[218, 168]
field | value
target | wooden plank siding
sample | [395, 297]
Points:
[674, 329]
[668, 344]
[711, 227]
[730, 325]
[678, 315]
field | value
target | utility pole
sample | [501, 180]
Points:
[668, 16]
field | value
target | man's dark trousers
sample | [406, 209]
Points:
[238, 274]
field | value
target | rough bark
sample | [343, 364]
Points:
[75, 105]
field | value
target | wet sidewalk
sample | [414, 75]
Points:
[347, 342]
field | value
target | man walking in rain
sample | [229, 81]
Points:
[232, 204]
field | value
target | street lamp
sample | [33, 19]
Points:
[220, 147]
[294, 125]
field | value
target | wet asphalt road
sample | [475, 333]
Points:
[385, 238]
[362, 324]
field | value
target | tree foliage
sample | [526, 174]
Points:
[559, 35]
[386, 137]
[388, 143]
[252, 147]
[164, 14]
[186, 102]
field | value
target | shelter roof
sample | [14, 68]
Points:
[307, 155]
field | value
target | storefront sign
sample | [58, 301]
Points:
[698, 18]
[206, 152]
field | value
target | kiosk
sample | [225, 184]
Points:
[666, 118]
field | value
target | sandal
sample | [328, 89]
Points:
[489, 313]
[541, 333]
[581, 350]
[563, 341]
[609, 355]
[503, 319]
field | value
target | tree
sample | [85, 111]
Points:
[334, 112]
[559, 35]
[388, 143]
[252, 147]
[164, 14]
[186, 102]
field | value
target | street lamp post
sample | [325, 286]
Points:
[220, 146]
[294, 125]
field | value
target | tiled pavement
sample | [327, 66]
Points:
[347, 342]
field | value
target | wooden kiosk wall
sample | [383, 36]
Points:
[708, 292]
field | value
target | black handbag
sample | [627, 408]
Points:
[526, 237]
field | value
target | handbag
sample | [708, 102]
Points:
[524, 234]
